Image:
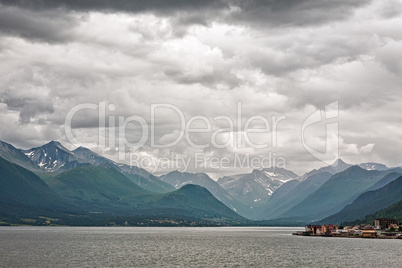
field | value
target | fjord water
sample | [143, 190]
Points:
[188, 247]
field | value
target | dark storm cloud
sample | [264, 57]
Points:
[53, 21]
[274, 12]
[46, 25]
[162, 6]
[28, 107]
[277, 57]
[295, 12]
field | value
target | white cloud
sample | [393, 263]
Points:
[135, 59]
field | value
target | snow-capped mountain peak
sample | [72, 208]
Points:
[52, 157]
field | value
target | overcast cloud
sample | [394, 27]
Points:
[288, 58]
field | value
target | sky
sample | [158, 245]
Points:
[169, 64]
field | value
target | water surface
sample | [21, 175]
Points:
[188, 247]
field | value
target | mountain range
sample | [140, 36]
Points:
[337, 192]
[81, 186]
[257, 185]
[82, 183]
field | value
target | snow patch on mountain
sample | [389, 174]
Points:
[373, 166]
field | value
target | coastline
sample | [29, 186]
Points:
[301, 233]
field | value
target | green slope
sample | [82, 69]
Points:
[97, 184]
[179, 179]
[191, 205]
[22, 188]
[192, 200]
[105, 189]
[393, 211]
[75, 195]
[369, 203]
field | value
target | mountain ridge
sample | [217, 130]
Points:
[340, 190]
[369, 202]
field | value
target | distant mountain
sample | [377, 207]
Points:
[256, 186]
[306, 185]
[84, 181]
[284, 190]
[297, 192]
[278, 204]
[247, 191]
[21, 189]
[313, 180]
[369, 202]
[179, 179]
[14, 155]
[373, 166]
[340, 190]
[91, 195]
[338, 166]
[53, 157]
[189, 200]
[385, 180]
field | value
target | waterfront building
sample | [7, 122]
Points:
[384, 223]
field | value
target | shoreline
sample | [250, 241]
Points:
[347, 236]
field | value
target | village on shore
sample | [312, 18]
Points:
[383, 228]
